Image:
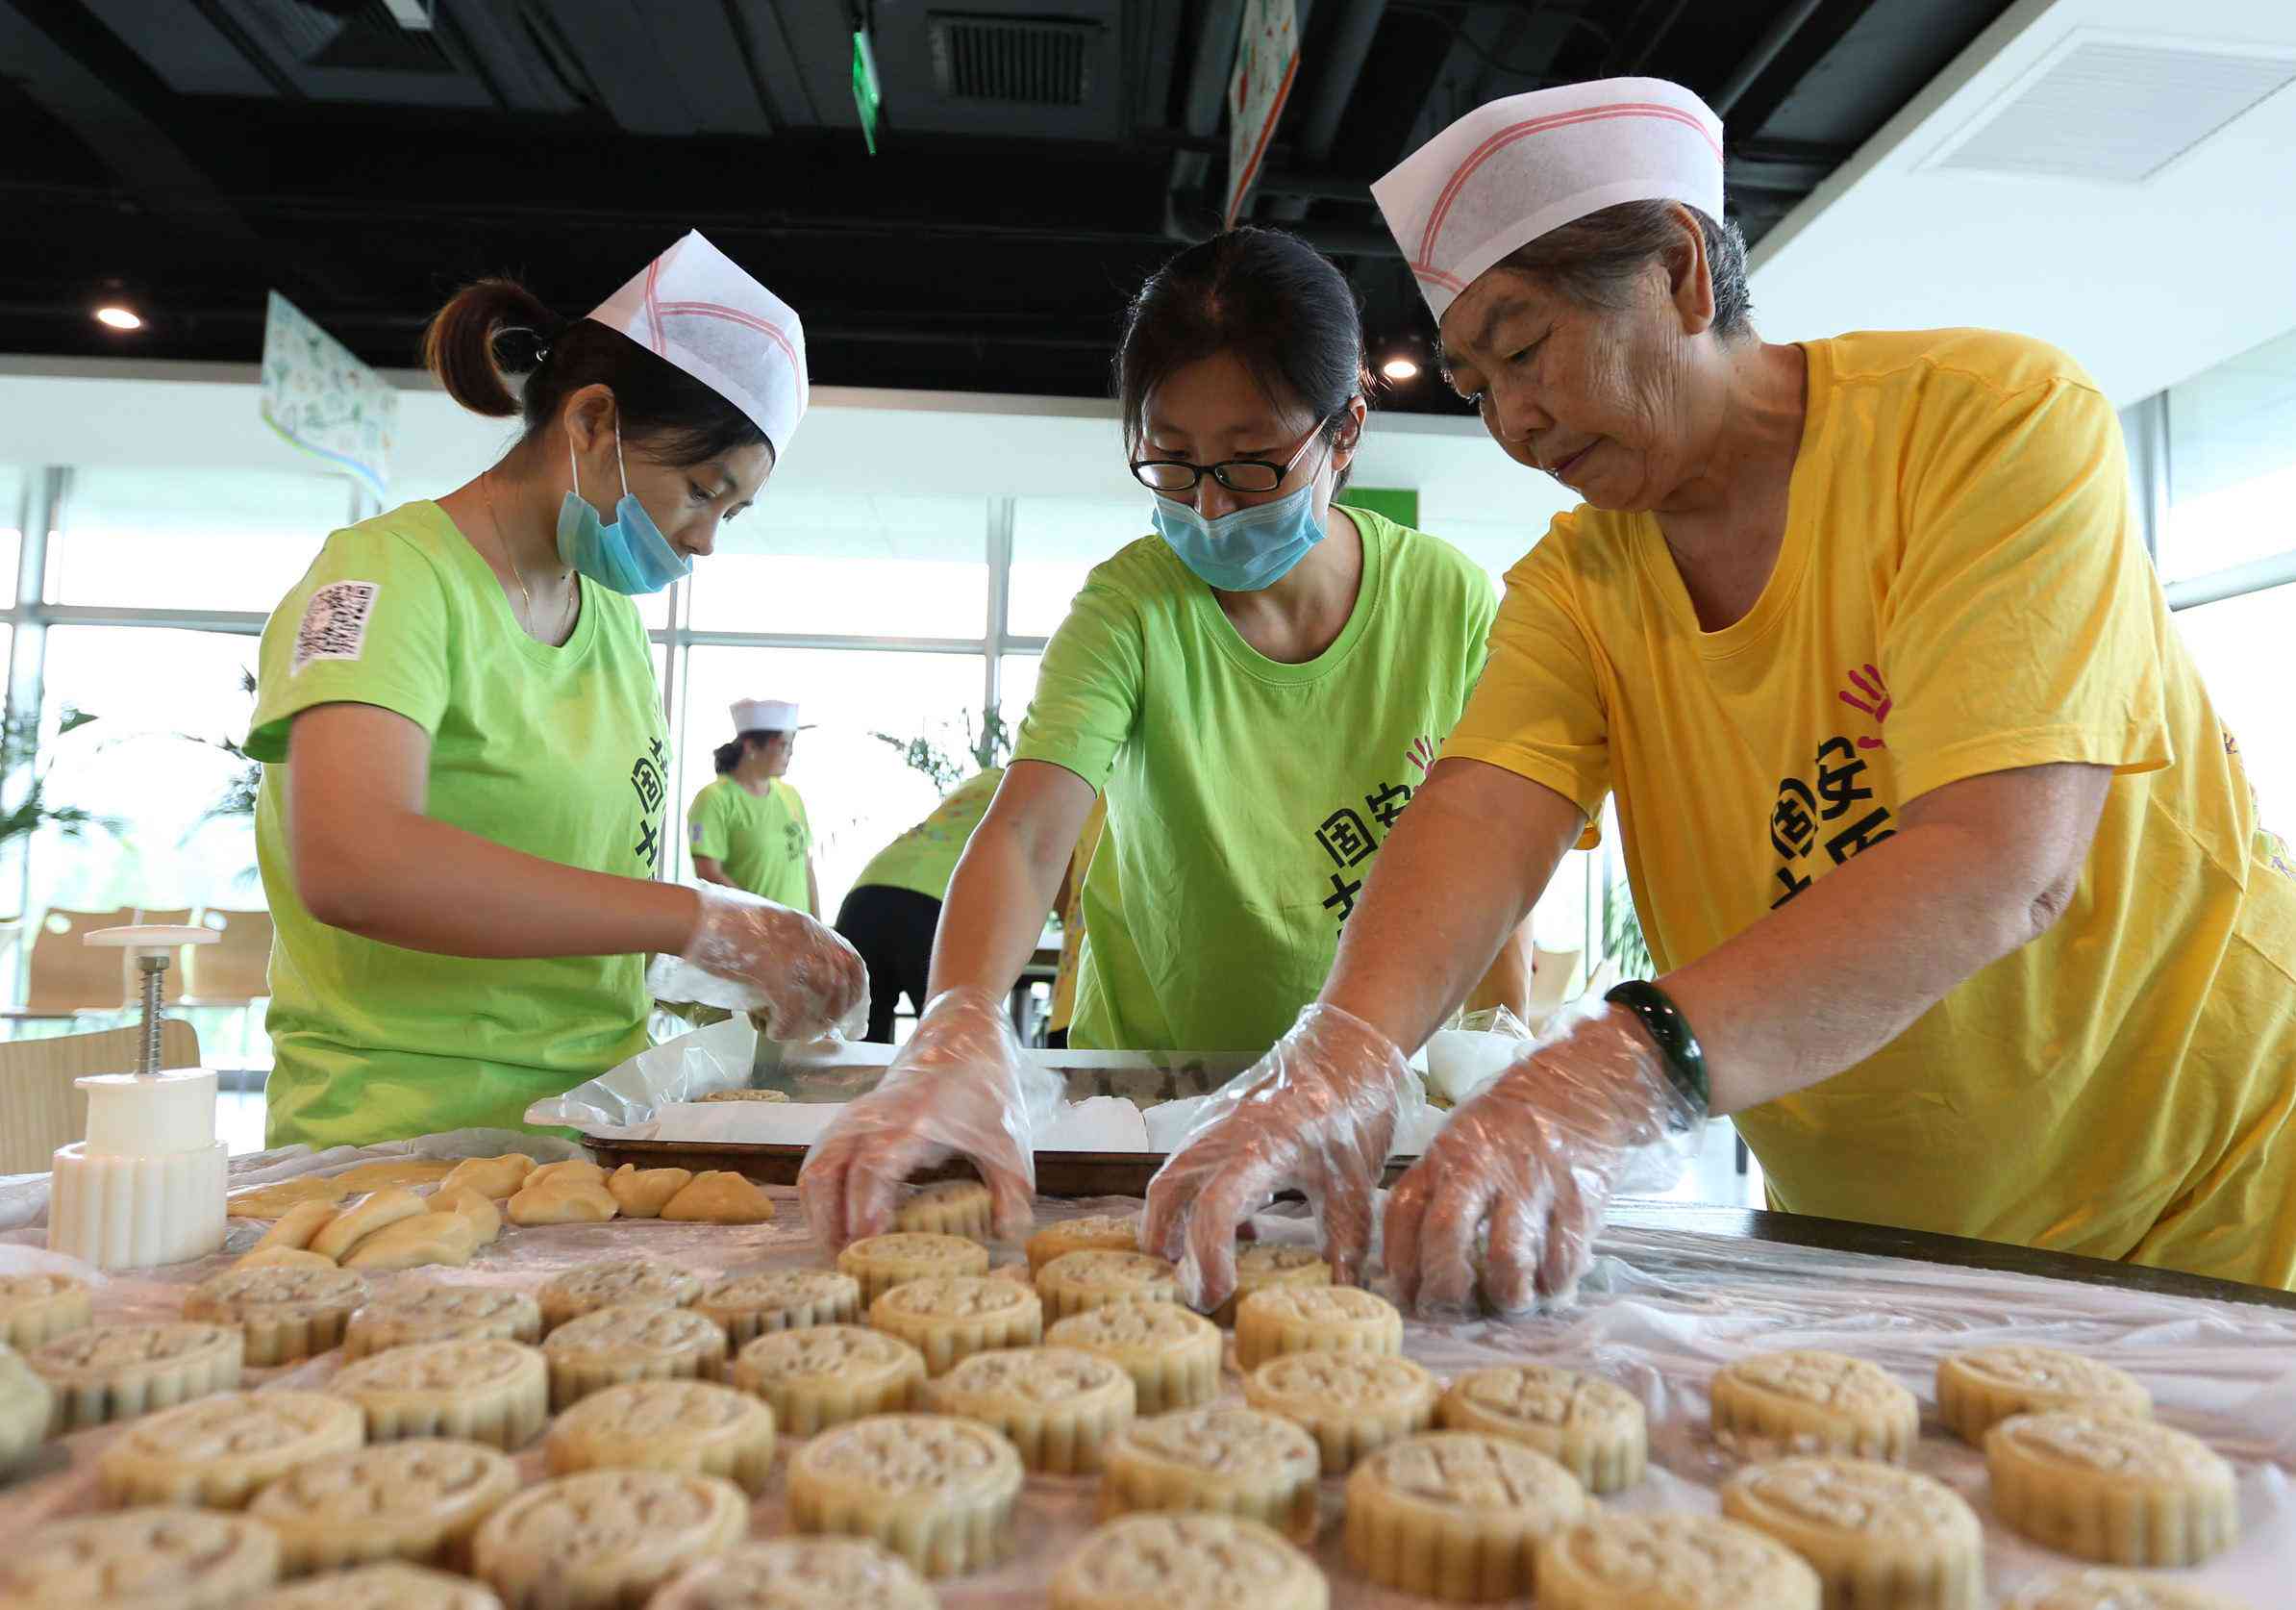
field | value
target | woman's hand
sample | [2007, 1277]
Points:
[1317, 1114]
[960, 1087]
[1535, 1154]
[795, 976]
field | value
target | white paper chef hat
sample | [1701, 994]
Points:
[698, 308]
[764, 716]
[1507, 173]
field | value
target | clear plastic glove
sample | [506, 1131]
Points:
[796, 977]
[1535, 1153]
[1317, 1114]
[961, 1087]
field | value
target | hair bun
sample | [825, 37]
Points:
[487, 330]
[519, 349]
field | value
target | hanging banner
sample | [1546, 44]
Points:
[1267, 56]
[322, 399]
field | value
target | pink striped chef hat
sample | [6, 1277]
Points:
[1507, 173]
[698, 308]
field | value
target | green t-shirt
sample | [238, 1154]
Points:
[1246, 798]
[560, 752]
[924, 858]
[760, 840]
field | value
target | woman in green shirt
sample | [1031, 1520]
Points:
[894, 906]
[747, 829]
[1257, 688]
[465, 756]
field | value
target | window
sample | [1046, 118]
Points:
[189, 539]
[151, 763]
[1017, 686]
[854, 564]
[2232, 459]
[1056, 542]
[13, 485]
[1497, 545]
[870, 609]
[2241, 645]
[2232, 451]
[860, 794]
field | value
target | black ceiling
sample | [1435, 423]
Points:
[1038, 156]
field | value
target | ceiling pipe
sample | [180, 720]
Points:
[1200, 117]
[1648, 46]
[1350, 50]
[1348, 243]
[1317, 187]
[1765, 51]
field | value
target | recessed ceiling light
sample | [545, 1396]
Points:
[1400, 368]
[118, 317]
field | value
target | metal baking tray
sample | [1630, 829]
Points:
[840, 1072]
[1058, 1173]
[1141, 1077]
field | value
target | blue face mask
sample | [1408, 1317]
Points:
[1244, 549]
[630, 556]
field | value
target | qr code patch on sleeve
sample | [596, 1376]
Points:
[335, 623]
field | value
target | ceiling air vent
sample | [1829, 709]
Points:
[1014, 60]
[2116, 110]
[361, 38]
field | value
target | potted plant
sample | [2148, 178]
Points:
[946, 763]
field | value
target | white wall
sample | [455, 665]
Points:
[937, 445]
[2146, 283]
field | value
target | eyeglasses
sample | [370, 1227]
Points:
[1241, 476]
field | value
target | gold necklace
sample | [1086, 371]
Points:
[504, 544]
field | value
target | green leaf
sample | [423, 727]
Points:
[948, 763]
[1622, 934]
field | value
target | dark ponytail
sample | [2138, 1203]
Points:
[1278, 304]
[729, 755]
[496, 329]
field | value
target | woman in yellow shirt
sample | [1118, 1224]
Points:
[1951, 874]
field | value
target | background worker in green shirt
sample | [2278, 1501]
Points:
[748, 829]
[1069, 902]
[890, 915]
[465, 756]
[1257, 688]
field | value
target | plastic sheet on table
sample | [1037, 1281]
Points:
[1659, 1312]
[623, 1103]
[24, 1198]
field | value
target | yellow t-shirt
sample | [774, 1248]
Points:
[924, 858]
[1960, 590]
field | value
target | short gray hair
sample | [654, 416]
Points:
[1593, 260]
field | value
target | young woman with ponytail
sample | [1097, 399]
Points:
[466, 758]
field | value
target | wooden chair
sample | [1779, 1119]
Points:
[235, 970]
[40, 1109]
[68, 975]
